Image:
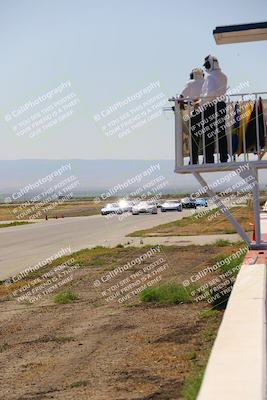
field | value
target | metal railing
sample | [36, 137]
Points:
[233, 121]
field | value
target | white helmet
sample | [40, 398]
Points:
[211, 63]
[197, 73]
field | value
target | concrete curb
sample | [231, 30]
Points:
[237, 366]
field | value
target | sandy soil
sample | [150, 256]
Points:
[92, 349]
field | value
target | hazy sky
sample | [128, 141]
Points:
[109, 50]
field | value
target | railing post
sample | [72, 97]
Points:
[179, 158]
[257, 127]
[190, 134]
[256, 196]
[229, 125]
[216, 147]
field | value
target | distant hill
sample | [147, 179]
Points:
[98, 176]
[94, 175]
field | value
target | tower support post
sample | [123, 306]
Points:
[259, 245]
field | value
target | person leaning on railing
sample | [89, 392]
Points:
[212, 99]
[192, 90]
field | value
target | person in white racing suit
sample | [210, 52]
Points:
[192, 91]
[213, 101]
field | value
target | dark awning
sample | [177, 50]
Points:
[240, 33]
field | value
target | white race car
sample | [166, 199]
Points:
[171, 205]
[111, 208]
[126, 205]
[144, 207]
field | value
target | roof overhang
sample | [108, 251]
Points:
[240, 33]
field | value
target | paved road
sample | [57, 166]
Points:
[25, 246]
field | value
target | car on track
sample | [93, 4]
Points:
[126, 205]
[187, 202]
[111, 208]
[144, 207]
[156, 202]
[171, 205]
[201, 202]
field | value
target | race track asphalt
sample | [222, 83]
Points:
[25, 246]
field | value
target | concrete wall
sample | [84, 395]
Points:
[237, 366]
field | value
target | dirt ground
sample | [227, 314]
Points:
[99, 350]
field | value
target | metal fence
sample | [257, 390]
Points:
[238, 121]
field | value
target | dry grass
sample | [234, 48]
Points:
[66, 209]
[15, 223]
[209, 224]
